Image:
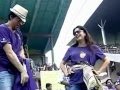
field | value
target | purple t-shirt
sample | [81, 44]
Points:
[75, 54]
[13, 38]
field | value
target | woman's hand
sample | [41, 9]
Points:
[96, 72]
[69, 70]
[66, 73]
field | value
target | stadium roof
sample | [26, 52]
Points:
[44, 21]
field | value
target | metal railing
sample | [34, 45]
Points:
[111, 48]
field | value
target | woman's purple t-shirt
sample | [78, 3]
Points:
[75, 54]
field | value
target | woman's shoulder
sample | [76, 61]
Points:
[95, 46]
[72, 47]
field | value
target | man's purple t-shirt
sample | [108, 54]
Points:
[75, 54]
[13, 38]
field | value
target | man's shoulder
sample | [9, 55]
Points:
[2, 27]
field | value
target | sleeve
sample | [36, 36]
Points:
[67, 56]
[4, 37]
[99, 53]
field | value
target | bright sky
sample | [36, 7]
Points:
[78, 14]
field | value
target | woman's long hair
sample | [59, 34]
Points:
[88, 39]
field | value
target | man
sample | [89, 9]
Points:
[11, 49]
[117, 83]
[110, 85]
[48, 86]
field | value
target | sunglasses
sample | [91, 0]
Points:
[76, 32]
[22, 23]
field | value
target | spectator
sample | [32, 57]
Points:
[48, 86]
[117, 83]
[47, 67]
[110, 84]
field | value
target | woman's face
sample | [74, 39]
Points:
[79, 34]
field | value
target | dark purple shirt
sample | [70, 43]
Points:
[75, 54]
[13, 38]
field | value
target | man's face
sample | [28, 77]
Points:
[16, 22]
[109, 82]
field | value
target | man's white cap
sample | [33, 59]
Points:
[20, 11]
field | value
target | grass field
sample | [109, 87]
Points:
[52, 77]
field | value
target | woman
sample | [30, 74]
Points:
[83, 50]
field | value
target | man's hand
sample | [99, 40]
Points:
[24, 77]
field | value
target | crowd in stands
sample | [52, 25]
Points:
[110, 48]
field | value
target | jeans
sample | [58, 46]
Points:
[80, 86]
[6, 80]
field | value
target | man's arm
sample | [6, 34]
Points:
[22, 53]
[13, 57]
[15, 61]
